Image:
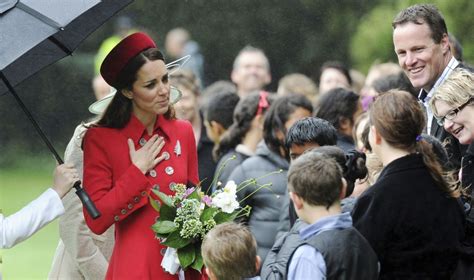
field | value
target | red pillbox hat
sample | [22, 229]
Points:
[122, 53]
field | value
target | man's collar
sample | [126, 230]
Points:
[425, 96]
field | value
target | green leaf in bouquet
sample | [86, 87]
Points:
[154, 203]
[167, 213]
[164, 227]
[195, 194]
[198, 262]
[164, 198]
[208, 213]
[223, 217]
[186, 255]
[174, 240]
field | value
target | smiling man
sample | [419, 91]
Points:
[421, 42]
[251, 71]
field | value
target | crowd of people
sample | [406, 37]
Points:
[367, 179]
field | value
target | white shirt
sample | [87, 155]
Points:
[30, 219]
[453, 63]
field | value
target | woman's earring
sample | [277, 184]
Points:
[127, 93]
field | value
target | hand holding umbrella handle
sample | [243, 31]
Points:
[86, 201]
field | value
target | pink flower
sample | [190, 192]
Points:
[188, 192]
[207, 199]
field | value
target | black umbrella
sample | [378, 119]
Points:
[35, 34]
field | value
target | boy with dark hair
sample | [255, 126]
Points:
[229, 251]
[332, 247]
[308, 133]
[304, 134]
[219, 113]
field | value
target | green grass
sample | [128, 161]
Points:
[19, 185]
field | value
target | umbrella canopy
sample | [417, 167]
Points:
[35, 34]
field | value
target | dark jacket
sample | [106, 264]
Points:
[206, 163]
[266, 203]
[413, 226]
[346, 253]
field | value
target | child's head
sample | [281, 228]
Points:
[219, 114]
[229, 251]
[315, 179]
[283, 113]
[340, 107]
[307, 133]
[247, 115]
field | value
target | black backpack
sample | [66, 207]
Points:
[277, 260]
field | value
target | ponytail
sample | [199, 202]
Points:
[230, 139]
[355, 169]
[444, 180]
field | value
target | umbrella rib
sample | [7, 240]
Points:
[60, 45]
[38, 15]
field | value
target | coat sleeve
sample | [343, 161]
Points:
[111, 197]
[30, 219]
[77, 237]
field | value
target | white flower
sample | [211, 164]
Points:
[226, 201]
[230, 187]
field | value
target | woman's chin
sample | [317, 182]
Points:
[464, 138]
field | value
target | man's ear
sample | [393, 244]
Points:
[234, 76]
[127, 93]
[445, 43]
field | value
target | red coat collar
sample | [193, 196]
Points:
[135, 129]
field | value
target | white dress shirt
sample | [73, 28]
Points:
[24, 223]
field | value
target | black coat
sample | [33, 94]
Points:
[413, 226]
[206, 163]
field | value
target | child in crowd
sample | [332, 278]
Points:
[242, 137]
[333, 248]
[229, 252]
[218, 114]
[269, 166]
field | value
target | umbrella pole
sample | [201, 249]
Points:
[83, 196]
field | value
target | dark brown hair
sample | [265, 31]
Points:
[399, 119]
[119, 111]
[423, 13]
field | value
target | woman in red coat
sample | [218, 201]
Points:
[137, 145]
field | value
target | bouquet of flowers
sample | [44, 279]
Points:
[187, 216]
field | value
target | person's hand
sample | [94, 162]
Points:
[64, 177]
[146, 157]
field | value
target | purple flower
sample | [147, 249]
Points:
[188, 192]
[207, 199]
